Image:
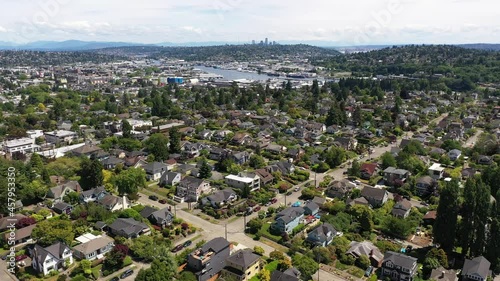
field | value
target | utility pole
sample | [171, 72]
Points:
[225, 230]
[319, 266]
[315, 179]
[175, 210]
[285, 199]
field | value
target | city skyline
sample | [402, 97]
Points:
[241, 21]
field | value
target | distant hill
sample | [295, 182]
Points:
[222, 52]
[9, 58]
[480, 46]
[70, 45]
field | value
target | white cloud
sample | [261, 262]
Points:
[3, 29]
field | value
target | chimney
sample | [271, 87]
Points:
[124, 202]
[442, 274]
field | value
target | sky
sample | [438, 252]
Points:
[341, 23]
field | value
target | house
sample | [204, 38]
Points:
[311, 209]
[60, 137]
[220, 198]
[322, 235]
[191, 150]
[366, 248]
[436, 171]
[161, 218]
[154, 170]
[114, 203]
[367, 170]
[241, 139]
[442, 274]
[58, 192]
[242, 265]
[346, 143]
[454, 154]
[291, 274]
[92, 247]
[243, 180]
[23, 145]
[339, 189]
[112, 162]
[86, 150]
[286, 168]
[93, 194]
[468, 173]
[375, 196]
[191, 188]
[484, 160]
[429, 217]
[288, 219]
[10, 221]
[22, 235]
[477, 269]
[393, 176]
[401, 209]
[265, 177]
[137, 161]
[425, 185]
[209, 260]
[240, 158]
[398, 266]
[170, 178]
[53, 257]
[217, 153]
[320, 201]
[295, 153]
[275, 149]
[128, 228]
[62, 208]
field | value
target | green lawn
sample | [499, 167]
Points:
[264, 232]
[96, 271]
[270, 267]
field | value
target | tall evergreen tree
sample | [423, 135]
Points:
[445, 226]
[126, 128]
[205, 170]
[90, 173]
[493, 249]
[175, 140]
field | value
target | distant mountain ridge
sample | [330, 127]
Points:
[79, 45]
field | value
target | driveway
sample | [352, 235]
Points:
[5, 275]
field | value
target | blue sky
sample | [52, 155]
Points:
[357, 22]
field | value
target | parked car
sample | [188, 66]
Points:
[368, 271]
[187, 243]
[257, 208]
[21, 257]
[296, 189]
[114, 279]
[163, 201]
[424, 203]
[296, 204]
[153, 197]
[288, 193]
[177, 248]
[4, 257]
[268, 204]
[274, 200]
[126, 273]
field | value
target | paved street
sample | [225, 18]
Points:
[473, 139]
[4, 274]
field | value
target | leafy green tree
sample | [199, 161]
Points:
[258, 250]
[363, 262]
[388, 160]
[90, 173]
[305, 265]
[72, 198]
[126, 129]
[150, 248]
[205, 170]
[398, 227]
[277, 255]
[355, 170]
[255, 225]
[130, 180]
[256, 161]
[187, 276]
[159, 271]
[175, 140]
[364, 216]
[439, 255]
[48, 232]
[445, 226]
[157, 144]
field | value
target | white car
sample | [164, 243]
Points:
[296, 189]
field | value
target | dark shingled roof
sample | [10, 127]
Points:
[400, 259]
[216, 244]
[243, 258]
[478, 265]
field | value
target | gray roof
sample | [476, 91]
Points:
[373, 192]
[93, 245]
[128, 226]
[161, 216]
[56, 250]
[147, 211]
[216, 245]
[291, 274]
[393, 170]
[191, 181]
[322, 230]
[155, 167]
[290, 213]
[312, 206]
[365, 248]
[221, 195]
[441, 274]
[400, 259]
[243, 258]
[478, 265]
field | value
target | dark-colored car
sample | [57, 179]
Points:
[288, 193]
[114, 279]
[177, 248]
[369, 271]
[274, 200]
[126, 273]
[163, 201]
[153, 197]
[187, 243]
[256, 209]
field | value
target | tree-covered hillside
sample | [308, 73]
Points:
[37, 58]
[443, 60]
[224, 53]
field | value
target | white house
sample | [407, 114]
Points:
[60, 136]
[436, 171]
[53, 257]
[241, 181]
[92, 247]
[23, 145]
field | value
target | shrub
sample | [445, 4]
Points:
[127, 261]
